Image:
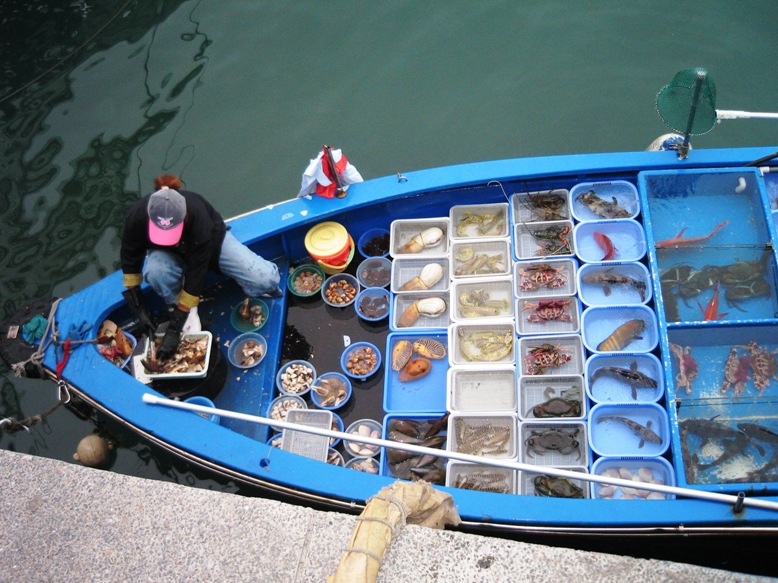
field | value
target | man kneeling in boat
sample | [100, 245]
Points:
[184, 237]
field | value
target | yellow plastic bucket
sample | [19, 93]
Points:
[329, 242]
[330, 269]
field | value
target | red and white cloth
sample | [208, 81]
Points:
[318, 178]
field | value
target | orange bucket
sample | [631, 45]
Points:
[332, 269]
[329, 242]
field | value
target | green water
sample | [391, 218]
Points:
[96, 99]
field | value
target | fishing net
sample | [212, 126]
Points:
[688, 103]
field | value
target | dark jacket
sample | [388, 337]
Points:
[199, 247]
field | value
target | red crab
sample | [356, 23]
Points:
[541, 275]
[546, 310]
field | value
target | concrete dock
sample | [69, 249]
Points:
[64, 522]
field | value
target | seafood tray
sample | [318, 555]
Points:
[540, 484]
[608, 241]
[547, 239]
[657, 470]
[437, 439]
[548, 315]
[549, 205]
[553, 443]
[610, 378]
[419, 311]
[622, 284]
[419, 237]
[480, 477]
[629, 430]
[307, 444]
[619, 329]
[481, 299]
[551, 355]
[480, 258]
[424, 273]
[492, 435]
[553, 397]
[425, 393]
[194, 336]
[478, 221]
[482, 344]
[552, 277]
[728, 447]
[601, 196]
[472, 389]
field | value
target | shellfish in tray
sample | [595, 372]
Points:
[429, 348]
[415, 369]
[401, 354]
[420, 241]
[430, 307]
[430, 274]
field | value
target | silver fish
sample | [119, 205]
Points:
[608, 278]
[643, 432]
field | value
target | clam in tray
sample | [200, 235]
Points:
[190, 361]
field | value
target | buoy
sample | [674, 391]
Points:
[93, 451]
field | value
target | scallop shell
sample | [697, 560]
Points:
[429, 348]
[401, 354]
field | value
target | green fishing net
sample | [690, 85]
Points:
[688, 103]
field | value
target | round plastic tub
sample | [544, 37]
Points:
[242, 324]
[372, 304]
[298, 365]
[340, 290]
[361, 360]
[330, 380]
[235, 353]
[305, 281]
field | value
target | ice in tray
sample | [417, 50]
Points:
[591, 201]
[547, 205]
[482, 344]
[550, 277]
[488, 435]
[614, 284]
[551, 355]
[604, 241]
[548, 239]
[548, 315]
[482, 299]
[480, 477]
[619, 329]
[629, 430]
[419, 311]
[624, 378]
[473, 389]
[540, 484]
[552, 397]
[420, 274]
[417, 237]
[480, 258]
[552, 443]
[479, 221]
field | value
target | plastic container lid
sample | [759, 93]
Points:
[328, 241]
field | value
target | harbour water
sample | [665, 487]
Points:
[98, 99]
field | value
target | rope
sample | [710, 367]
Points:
[395, 528]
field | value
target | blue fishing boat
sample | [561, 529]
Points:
[565, 344]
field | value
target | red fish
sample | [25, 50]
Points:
[680, 241]
[606, 245]
[711, 310]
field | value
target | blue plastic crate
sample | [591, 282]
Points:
[426, 394]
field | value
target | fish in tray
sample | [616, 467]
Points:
[644, 432]
[632, 376]
[601, 207]
[608, 279]
[623, 336]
